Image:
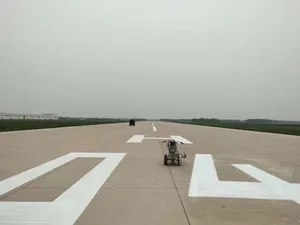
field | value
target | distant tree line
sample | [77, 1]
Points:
[13, 125]
[219, 121]
[262, 125]
[102, 119]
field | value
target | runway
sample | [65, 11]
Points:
[114, 174]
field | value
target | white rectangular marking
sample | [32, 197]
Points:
[136, 139]
[204, 171]
[179, 138]
[140, 138]
[67, 208]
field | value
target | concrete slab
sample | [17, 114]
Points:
[127, 207]
[141, 189]
[34, 195]
[240, 211]
[142, 168]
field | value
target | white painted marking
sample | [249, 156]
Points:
[67, 208]
[259, 174]
[154, 128]
[136, 139]
[183, 140]
[205, 183]
[204, 165]
[140, 138]
[157, 138]
[23, 178]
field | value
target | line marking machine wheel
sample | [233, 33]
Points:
[165, 159]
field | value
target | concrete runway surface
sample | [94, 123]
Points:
[95, 177]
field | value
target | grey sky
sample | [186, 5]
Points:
[158, 58]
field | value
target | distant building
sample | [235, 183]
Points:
[20, 116]
[49, 116]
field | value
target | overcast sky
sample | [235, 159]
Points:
[155, 58]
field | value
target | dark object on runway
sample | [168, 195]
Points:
[174, 154]
[132, 122]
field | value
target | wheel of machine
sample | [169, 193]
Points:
[165, 159]
[179, 161]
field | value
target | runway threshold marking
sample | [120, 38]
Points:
[140, 138]
[205, 183]
[65, 209]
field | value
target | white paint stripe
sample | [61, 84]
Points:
[16, 181]
[260, 175]
[87, 187]
[28, 213]
[204, 171]
[205, 183]
[154, 128]
[66, 209]
[228, 189]
[136, 139]
[295, 193]
[24, 223]
[23, 178]
[140, 138]
[179, 138]
[157, 138]
[88, 184]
